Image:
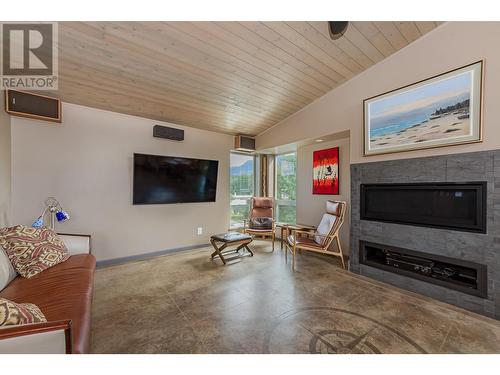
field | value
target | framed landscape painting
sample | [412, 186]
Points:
[326, 171]
[440, 111]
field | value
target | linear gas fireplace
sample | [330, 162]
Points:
[467, 277]
[456, 206]
[446, 233]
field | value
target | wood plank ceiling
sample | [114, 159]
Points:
[230, 77]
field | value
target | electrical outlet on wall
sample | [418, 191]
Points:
[199, 231]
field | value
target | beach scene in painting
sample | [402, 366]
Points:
[434, 111]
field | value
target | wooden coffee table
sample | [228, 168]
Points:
[221, 242]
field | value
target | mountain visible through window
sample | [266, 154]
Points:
[286, 188]
[242, 186]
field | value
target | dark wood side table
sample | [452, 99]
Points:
[220, 242]
[284, 231]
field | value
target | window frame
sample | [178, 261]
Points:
[284, 202]
[253, 156]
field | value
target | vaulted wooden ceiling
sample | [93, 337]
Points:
[231, 77]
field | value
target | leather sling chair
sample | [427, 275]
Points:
[319, 240]
[261, 218]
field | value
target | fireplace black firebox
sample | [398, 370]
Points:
[467, 277]
[456, 206]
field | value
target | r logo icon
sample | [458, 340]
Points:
[29, 55]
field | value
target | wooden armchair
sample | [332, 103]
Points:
[261, 219]
[319, 240]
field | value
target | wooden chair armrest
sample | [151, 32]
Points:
[306, 232]
[312, 229]
[22, 330]
[325, 236]
[306, 227]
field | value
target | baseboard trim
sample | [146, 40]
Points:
[139, 257]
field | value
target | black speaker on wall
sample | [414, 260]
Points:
[166, 132]
[35, 106]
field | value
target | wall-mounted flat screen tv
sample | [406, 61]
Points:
[171, 179]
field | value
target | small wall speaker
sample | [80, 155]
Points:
[166, 132]
[242, 143]
[25, 104]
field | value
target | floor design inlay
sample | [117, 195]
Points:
[335, 331]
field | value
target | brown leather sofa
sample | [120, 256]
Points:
[63, 292]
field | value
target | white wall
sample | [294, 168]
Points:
[310, 207]
[449, 46]
[86, 163]
[5, 170]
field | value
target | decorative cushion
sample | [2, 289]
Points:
[263, 202]
[261, 223]
[32, 250]
[324, 228]
[12, 313]
[7, 271]
[333, 208]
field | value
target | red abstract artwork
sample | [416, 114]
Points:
[326, 171]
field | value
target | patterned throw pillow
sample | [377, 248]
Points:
[262, 223]
[12, 313]
[32, 250]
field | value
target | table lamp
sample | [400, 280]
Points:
[53, 207]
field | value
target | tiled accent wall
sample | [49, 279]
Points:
[480, 248]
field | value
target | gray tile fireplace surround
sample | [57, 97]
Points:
[474, 247]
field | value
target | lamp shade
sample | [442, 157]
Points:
[55, 210]
[62, 216]
[38, 223]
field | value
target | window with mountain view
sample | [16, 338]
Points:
[242, 186]
[286, 186]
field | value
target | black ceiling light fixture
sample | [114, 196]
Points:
[337, 28]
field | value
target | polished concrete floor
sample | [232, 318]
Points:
[185, 303]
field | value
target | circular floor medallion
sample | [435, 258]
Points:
[328, 330]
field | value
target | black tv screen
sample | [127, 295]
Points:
[169, 179]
